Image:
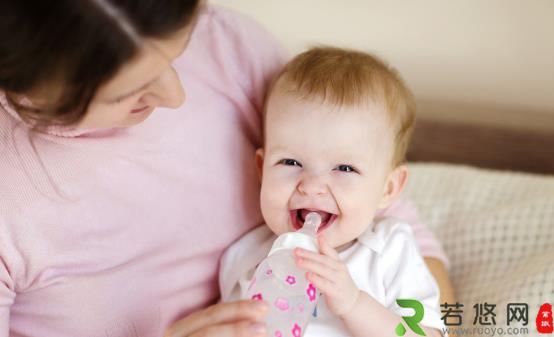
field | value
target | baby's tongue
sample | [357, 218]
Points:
[324, 215]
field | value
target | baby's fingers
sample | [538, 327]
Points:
[326, 248]
[316, 267]
[322, 284]
[319, 258]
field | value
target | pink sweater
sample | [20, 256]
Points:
[118, 232]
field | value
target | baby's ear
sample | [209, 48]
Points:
[260, 162]
[396, 180]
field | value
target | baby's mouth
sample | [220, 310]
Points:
[298, 216]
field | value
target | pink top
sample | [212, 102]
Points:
[119, 232]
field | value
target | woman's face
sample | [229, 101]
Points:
[147, 81]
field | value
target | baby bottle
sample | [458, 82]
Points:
[279, 282]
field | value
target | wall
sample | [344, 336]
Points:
[488, 61]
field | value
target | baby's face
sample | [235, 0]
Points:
[324, 158]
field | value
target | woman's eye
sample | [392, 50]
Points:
[346, 168]
[117, 101]
[290, 162]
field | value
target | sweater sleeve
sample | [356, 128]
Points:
[7, 288]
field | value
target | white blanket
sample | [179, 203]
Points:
[498, 230]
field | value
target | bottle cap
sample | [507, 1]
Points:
[305, 237]
[292, 240]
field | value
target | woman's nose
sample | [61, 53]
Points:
[312, 185]
[166, 91]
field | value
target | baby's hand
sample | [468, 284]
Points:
[329, 275]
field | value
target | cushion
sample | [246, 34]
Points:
[497, 228]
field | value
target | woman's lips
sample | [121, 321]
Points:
[297, 222]
[139, 109]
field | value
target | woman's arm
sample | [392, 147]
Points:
[7, 297]
[231, 319]
[7, 287]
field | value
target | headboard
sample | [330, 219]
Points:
[483, 145]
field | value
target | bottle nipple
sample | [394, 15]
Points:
[305, 237]
[312, 222]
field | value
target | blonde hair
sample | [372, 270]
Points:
[349, 77]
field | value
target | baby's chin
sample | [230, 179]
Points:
[279, 228]
[344, 246]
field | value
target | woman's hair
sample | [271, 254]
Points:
[77, 44]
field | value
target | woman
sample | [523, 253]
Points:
[113, 218]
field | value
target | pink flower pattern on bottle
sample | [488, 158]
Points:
[291, 280]
[282, 304]
[311, 291]
[257, 297]
[296, 331]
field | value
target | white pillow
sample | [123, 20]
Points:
[497, 228]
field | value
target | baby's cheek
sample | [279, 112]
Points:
[358, 204]
[272, 196]
[274, 201]
[276, 186]
[278, 183]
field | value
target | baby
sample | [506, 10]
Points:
[337, 124]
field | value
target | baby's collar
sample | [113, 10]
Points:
[375, 236]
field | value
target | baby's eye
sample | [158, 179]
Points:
[289, 162]
[346, 168]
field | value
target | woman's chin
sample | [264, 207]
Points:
[137, 118]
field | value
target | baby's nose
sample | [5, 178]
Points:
[312, 185]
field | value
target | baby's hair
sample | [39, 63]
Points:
[348, 77]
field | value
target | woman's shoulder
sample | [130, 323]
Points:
[231, 51]
[240, 37]
[234, 23]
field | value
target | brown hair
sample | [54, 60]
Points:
[349, 77]
[79, 45]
